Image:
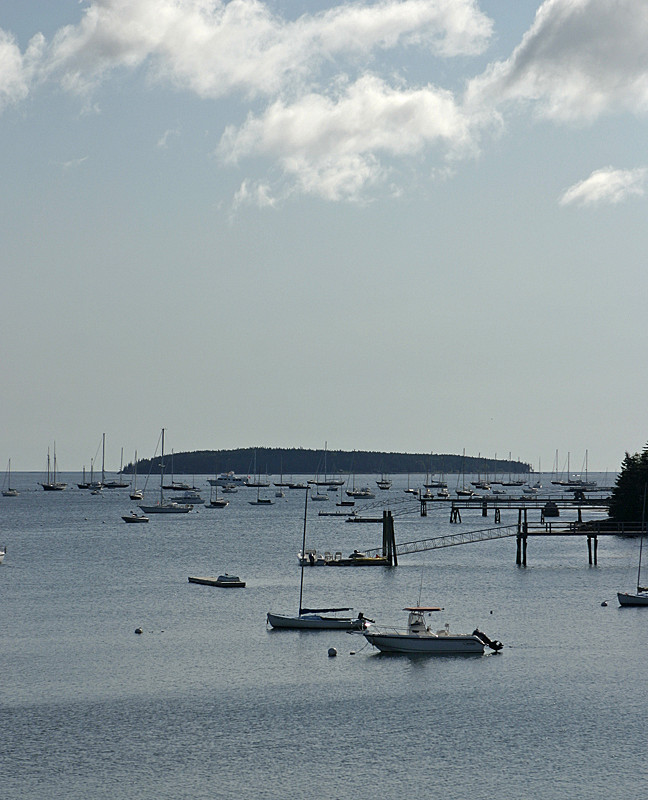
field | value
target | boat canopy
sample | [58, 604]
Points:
[321, 610]
[423, 608]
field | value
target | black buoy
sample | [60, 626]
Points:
[138, 630]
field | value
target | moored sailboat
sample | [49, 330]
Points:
[315, 618]
[51, 484]
[163, 506]
[8, 491]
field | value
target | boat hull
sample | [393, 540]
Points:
[315, 622]
[630, 599]
[166, 509]
[428, 645]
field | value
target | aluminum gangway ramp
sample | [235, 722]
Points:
[452, 540]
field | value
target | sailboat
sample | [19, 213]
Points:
[135, 493]
[51, 484]
[261, 501]
[163, 506]
[463, 492]
[117, 483]
[640, 597]
[311, 618]
[8, 491]
[215, 501]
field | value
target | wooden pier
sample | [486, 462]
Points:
[521, 530]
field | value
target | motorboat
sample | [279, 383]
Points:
[3, 553]
[227, 581]
[311, 558]
[229, 479]
[133, 517]
[419, 638]
[361, 494]
[189, 497]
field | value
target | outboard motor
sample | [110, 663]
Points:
[492, 643]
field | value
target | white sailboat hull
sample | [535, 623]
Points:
[315, 622]
[633, 598]
[166, 509]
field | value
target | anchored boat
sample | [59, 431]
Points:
[419, 637]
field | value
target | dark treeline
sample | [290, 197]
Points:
[297, 461]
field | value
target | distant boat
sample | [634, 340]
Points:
[163, 506]
[261, 501]
[315, 618]
[640, 597]
[135, 493]
[51, 484]
[133, 517]
[215, 501]
[3, 553]
[420, 639]
[384, 483]
[8, 491]
[361, 494]
[228, 479]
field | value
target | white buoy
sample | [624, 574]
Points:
[332, 652]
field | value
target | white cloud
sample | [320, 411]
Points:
[607, 185]
[16, 70]
[579, 59]
[332, 146]
[214, 47]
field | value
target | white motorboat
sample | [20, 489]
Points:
[361, 494]
[314, 619]
[229, 479]
[419, 638]
[311, 558]
[3, 553]
[133, 517]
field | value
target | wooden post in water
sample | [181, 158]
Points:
[455, 516]
[423, 508]
[521, 538]
[484, 508]
[389, 540]
[592, 552]
[498, 515]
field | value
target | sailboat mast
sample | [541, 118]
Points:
[301, 582]
[162, 470]
[643, 532]
[103, 459]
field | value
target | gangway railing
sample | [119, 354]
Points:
[451, 540]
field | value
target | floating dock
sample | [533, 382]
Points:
[227, 581]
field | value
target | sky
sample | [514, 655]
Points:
[414, 226]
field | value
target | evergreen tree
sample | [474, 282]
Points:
[626, 504]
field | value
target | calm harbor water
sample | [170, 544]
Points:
[209, 703]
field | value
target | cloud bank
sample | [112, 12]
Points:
[323, 106]
[607, 185]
